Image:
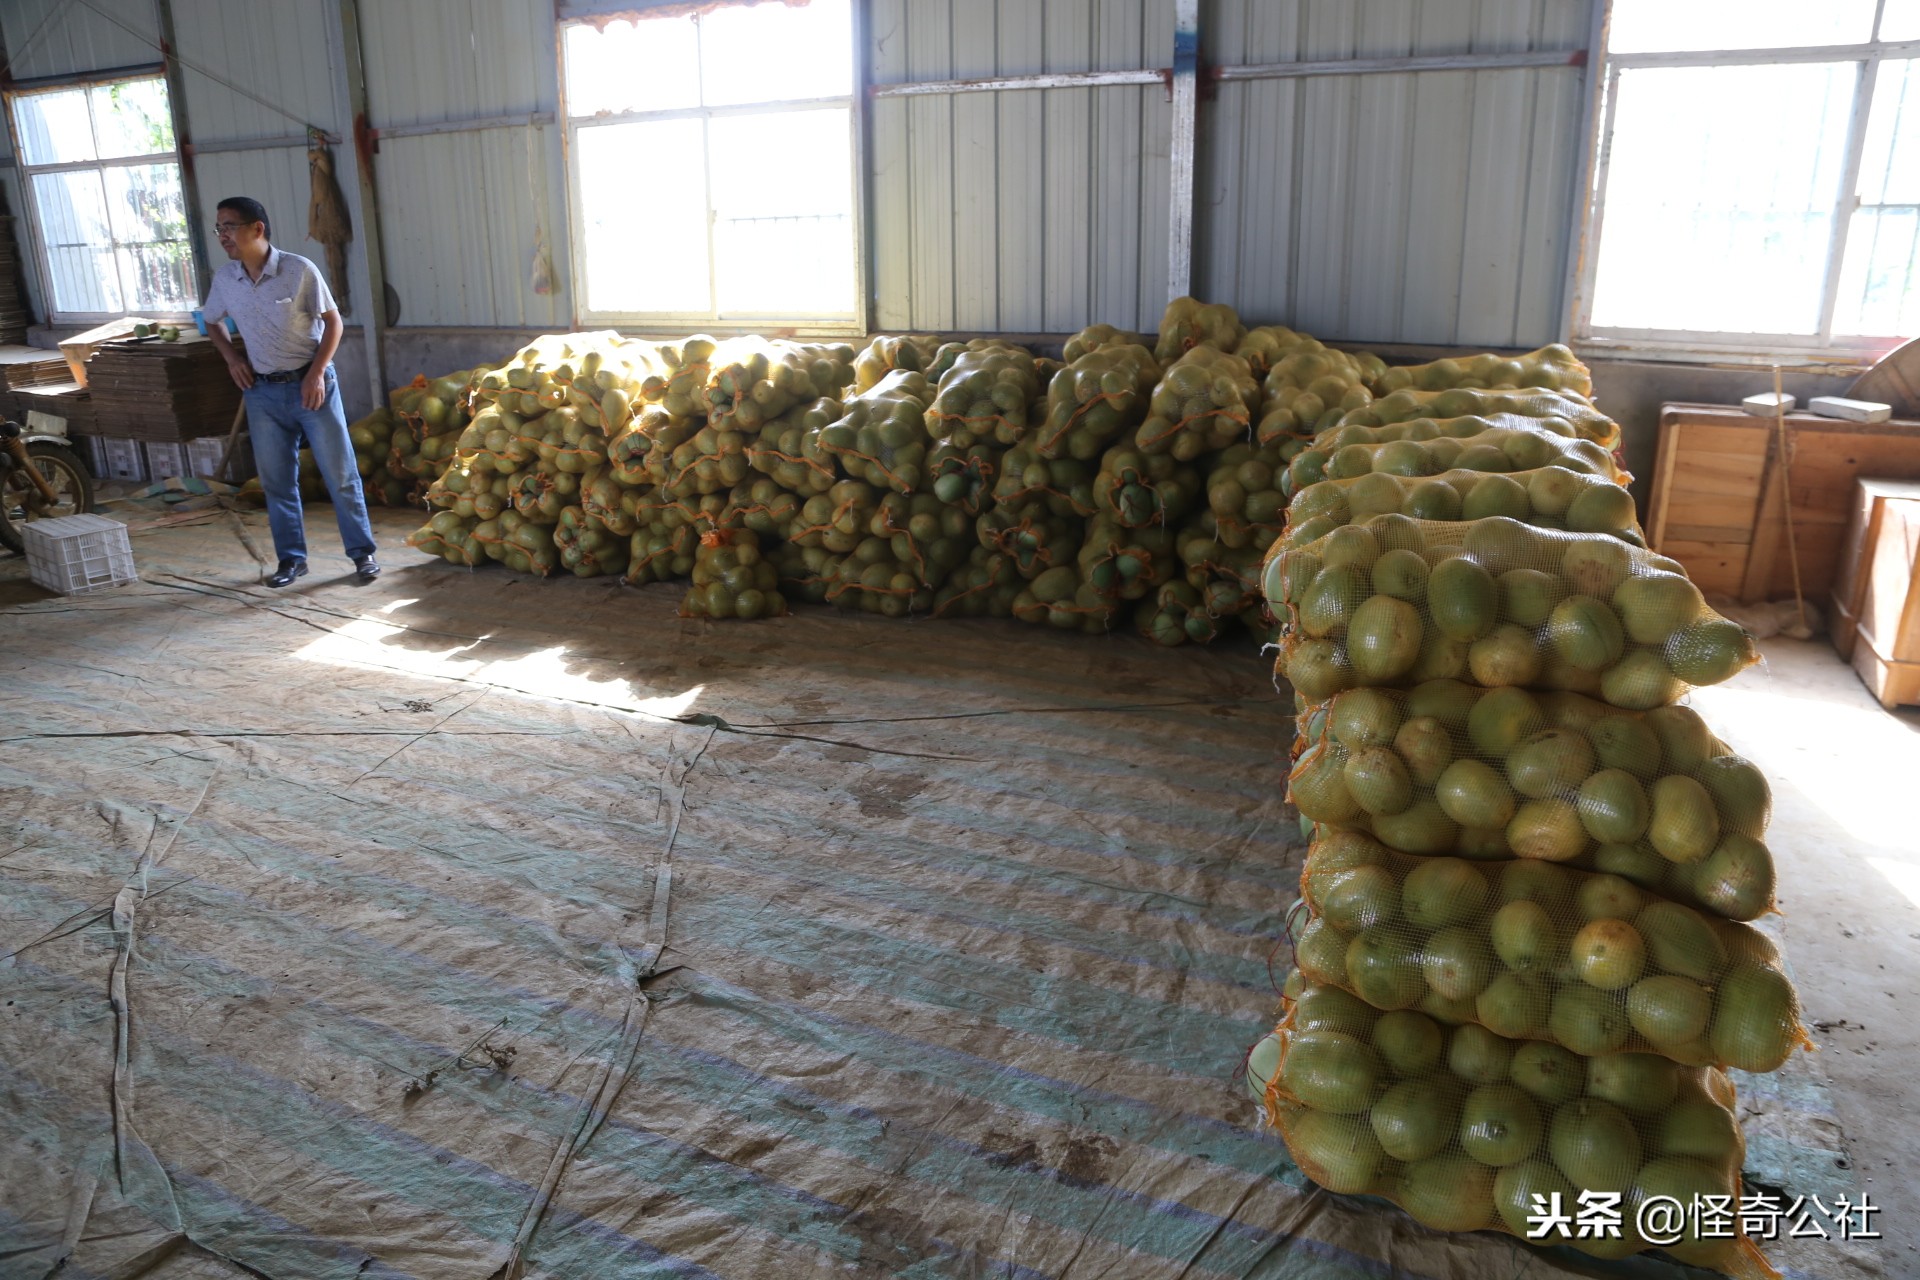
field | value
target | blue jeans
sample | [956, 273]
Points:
[276, 422]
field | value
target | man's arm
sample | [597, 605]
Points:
[313, 387]
[237, 366]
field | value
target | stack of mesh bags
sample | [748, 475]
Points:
[1524, 962]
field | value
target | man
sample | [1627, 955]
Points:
[284, 311]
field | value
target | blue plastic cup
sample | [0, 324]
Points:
[200, 322]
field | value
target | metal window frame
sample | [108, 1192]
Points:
[36, 232]
[1741, 347]
[850, 323]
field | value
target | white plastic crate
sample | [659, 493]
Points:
[116, 459]
[203, 456]
[77, 554]
[165, 460]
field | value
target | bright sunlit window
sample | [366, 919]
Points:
[1759, 177]
[711, 162]
[103, 183]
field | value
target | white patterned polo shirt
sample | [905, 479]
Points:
[278, 315]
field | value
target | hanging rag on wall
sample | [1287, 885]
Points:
[328, 223]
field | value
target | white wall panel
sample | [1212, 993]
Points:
[58, 37]
[1430, 207]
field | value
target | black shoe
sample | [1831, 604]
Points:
[366, 568]
[287, 572]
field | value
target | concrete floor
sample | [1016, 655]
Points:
[1845, 775]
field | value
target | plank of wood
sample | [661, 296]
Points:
[1769, 530]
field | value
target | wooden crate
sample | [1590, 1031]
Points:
[1716, 505]
[1863, 531]
[1886, 653]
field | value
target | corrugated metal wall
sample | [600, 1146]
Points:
[1426, 208]
[459, 211]
[1433, 207]
[280, 52]
[1052, 210]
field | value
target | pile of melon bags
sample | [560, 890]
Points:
[1522, 959]
[1125, 482]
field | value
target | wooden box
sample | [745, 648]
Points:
[1863, 530]
[1886, 650]
[1715, 504]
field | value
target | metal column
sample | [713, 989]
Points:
[1184, 91]
[183, 143]
[373, 325]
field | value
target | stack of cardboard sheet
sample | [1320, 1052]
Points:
[148, 389]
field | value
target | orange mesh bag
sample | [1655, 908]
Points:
[965, 478]
[786, 449]
[751, 381]
[871, 579]
[614, 505]
[677, 376]
[1065, 486]
[760, 504]
[930, 537]
[1188, 323]
[519, 544]
[1095, 399]
[450, 536]
[1447, 768]
[883, 355]
[1471, 1131]
[1504, 442]
[1536, 950]
[838, 519]
[1094, 337]
[587, 548]
[1553, 367]
[982, 398]
[1308, 386]
[1033, 538]
[1139, 487]
[882, 437]
[1397, 602]
[985, 586]
[1570, 407]
[1204, 402]
[731, 579]
[1550, 497]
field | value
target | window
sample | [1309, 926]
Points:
[103, 183]
[1758, 186]
[711, 166]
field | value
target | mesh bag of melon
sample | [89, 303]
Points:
[1177, 613]
[1407, 404]
[931, 538]
[1550, 497]
[519, 544]
[985, 586]
[588, 549]
[965, 478]
[1553, 367]
[870, 578]
[1064, 486]
[1536, 950]
[1312, 388]
[1504, 442]
[882, 437]
[449, 535]
[731, 579]
[1267, 346]
[1094, 337]
[1032, 537]
[1188, 323]
[1398, 602]
[676, 375]
[1095, 400]
[1203, 403]
[786, 450]
[982, 398]
[751, 381]
[659, 552]
[1447, 768]
[1064, 598]
[883, 355]
[1463, 1128]
[760, 504]
[1463, 427]
[1138, 487]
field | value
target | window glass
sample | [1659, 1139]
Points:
[79, 243]
[147, 213]
[771, 52]
[601, 65]
[131, 119]
[643, 213]
[1649, 26]
[54, 127]
[1721, 186]
[783, 234]
[1900, 20]
[1879, 292]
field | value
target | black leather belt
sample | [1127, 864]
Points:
[285, 375]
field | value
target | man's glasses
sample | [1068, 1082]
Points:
[228, 228]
